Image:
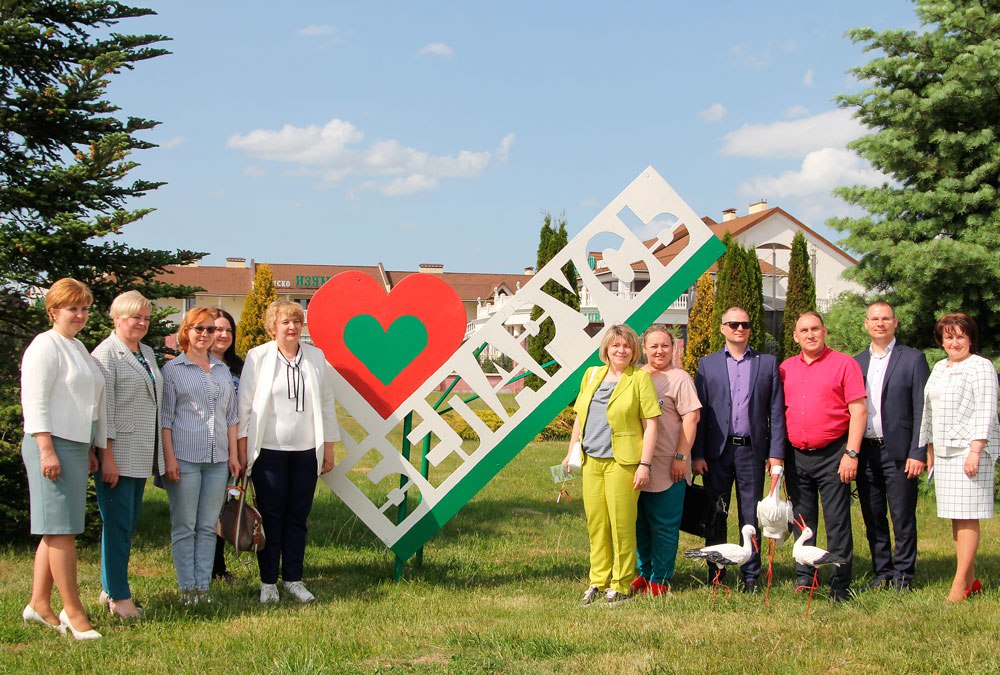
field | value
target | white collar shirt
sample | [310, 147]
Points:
[874, 381]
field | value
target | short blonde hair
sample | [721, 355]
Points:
[67, 293]
[194, 316]
[627, 334]
[129, 303]
[280, 308]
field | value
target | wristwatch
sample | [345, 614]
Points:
[853, 454]
[680, 455]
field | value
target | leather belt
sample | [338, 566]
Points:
[877, 442]
[738, 440]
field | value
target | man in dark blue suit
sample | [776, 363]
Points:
[742, 428]
[891, 461]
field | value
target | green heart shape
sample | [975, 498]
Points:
[386, 353]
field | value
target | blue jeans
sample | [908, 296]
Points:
[195, 502]
[120, 506]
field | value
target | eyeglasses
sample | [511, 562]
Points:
[203, 329]
[733, 325]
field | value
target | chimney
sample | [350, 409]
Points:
[236, 263]
[529, 271]
[728, 214]
[431, 268]
[757, 207]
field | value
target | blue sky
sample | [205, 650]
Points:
[409, 132]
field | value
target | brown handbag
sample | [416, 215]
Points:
[239, 522]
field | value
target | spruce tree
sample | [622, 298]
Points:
[753, 299]
[929, 240]
[701, 323]
[65, 158]
[251, 331]
[801, 295]
[739, 284]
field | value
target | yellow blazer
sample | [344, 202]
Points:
[633, 399]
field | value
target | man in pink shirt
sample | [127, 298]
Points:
[825, 418]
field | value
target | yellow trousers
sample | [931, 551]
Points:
[610, 502]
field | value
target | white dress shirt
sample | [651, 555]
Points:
[874, 382]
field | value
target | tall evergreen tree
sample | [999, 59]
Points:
[701, 323]
[929, 239]
[801, 295]
[551, 240]
[739, 284]
[65, 159]
[251, 331]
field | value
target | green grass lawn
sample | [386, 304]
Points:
[498, 591]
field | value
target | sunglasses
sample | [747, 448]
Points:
[203, 329]
[733, 325]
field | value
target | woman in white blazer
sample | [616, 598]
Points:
[134, 389]
[62, 397]
[960, 429]
[288, 428]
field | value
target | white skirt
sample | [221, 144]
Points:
[958, 496]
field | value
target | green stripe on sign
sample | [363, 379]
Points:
[515, 441]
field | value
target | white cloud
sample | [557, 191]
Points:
[437, 49]
[332, 153]
[796, 111]
[821, 171]
[808, 190]
[713, 113]
[835, 128]
[412, 184]
[506, 143]
[174, 142]
[315, 30]
[809, 78]
[254, 171]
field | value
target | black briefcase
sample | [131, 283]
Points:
[701, 509]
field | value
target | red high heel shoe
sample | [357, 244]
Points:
[975, 589]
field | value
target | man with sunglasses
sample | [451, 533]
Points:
[891, 459]
[742, 429]
[825, 416]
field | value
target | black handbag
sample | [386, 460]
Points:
[701, 509]
[239, 522]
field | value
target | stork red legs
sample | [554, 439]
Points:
[727, 554]
[812, 556]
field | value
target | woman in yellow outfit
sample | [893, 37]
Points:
[615, 424]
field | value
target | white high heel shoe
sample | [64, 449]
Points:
[29, 614]
[77, 634]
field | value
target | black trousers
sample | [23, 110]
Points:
[814, 479]
[736, 464]
[884, 488]
[284, 482]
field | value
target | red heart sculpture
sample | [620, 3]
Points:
[373, 338]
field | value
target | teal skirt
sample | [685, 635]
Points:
[57, 506]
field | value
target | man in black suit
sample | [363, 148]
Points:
[742, 427]
[891, 460]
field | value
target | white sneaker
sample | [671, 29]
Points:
[299, 591]
[269, 594]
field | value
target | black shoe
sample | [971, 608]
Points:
[877, 584]
[749, 586]
[227, 577]
[840, 594]
[901, 585]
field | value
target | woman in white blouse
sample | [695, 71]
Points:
[62, 396]
[288, 427]
[959, 426]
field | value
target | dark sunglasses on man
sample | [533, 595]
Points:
[733, 325]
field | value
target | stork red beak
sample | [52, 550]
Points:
[753, 538]
[800, 522]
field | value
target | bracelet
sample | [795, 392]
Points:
[646, 464]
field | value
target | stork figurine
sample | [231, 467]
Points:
[775, 516]
[812, 556]
[727, 554]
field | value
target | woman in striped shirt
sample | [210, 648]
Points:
[199, 449]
